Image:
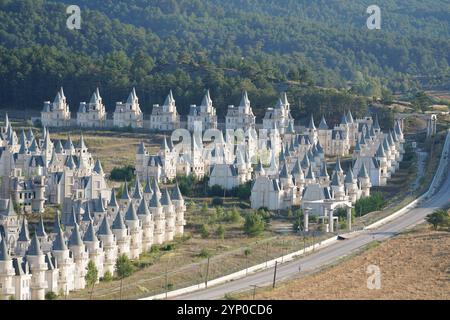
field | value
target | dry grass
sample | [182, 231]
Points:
[414, 265]
[112, 148]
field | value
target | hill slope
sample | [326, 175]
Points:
[189, 45]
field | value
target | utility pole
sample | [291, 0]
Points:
[254, 290]
[267, 253]
[207, 273]
[275, 274]
[166, 282]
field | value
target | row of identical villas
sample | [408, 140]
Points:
[164, 117]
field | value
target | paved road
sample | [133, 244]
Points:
[333, 252]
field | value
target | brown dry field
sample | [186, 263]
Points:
[414, 265]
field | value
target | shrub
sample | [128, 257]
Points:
[220, 232]
[254, 224]
[204, 232]
[168, 247]
[216, 191]
[439, 218]
[107, 277]
[122, 173]
[204, 253]
[243, 191]
[369, 204]
[232, 216]
[51, 296]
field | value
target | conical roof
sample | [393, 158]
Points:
[4, 254]
[165, 198]
[35, 247]
[113, 201]
[57, 222]
[90, 233]
[148, 187]
[98, 167]
[363, 172]
[105, 229]
[125, 194]
[176, 193]
[24, 234]
[349, 178]
[131, 215]
[75, 237]
[40, 230]
[137, 194]
[154, 201]
[118, 223]
[59, 244]
[143, 208]
[338, 167]
[311, 124]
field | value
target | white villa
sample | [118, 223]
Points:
[241, 117]
[202, 117]
[165, 117]
[129, 114]
[92, 114]
[56, 114]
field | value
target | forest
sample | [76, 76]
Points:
[262, 46]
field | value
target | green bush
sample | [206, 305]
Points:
[51, 296]
[254, 224]
[204, 253]
[122, 173]
[232, 216]
[107, 277]
[204, 232]
[369, 204]
[439, 218]
[220, 232]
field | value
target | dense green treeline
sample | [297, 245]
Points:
[191, 45]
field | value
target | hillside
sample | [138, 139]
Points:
[262, 46]
[414, 265]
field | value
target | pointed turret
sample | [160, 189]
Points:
[4, 254]
[24, 234]
[104, 229]
[59, 244]
[40, 230]
[338, 167]
[176, 193]
[118, 223]
[165, 198]
[75, 237]
[131, 213]
[98, 167]
[125, 194]
[363, 172]
[90, 233]
[311, 124]
[10, 211]
[137, 193]
[143, 208]
[113, 201]
[154, 201]
[323, 124]
[35, 247]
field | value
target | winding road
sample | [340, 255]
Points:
[332, 253]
